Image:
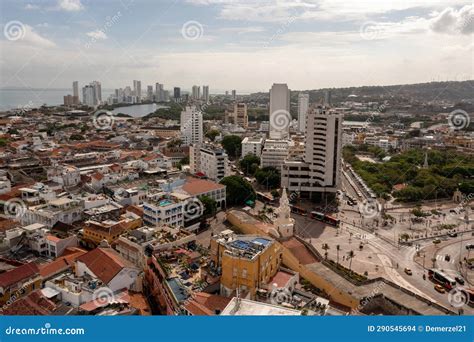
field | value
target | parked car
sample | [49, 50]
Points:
[439, 288]
[453, 234]
[408, 271]
[469, 246]
[459, 280]
[436, 241]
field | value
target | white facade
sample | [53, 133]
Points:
[279, 111]
[196, 92]
[252, 146]
[163, 212]
[274, 153]
[303, 105]
[137, 89]
[191, 125]
[211, 161]
[319, 170]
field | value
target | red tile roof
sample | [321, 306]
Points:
[18, 274]
[105, 263]
[33, 304]
[205, 304]
[195, 186]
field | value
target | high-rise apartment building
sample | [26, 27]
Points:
[177, 93]
[75, 89]
[159, 92]
[209, 160]
[318, 171]
[196, 92]
[137, 90]
[240, 115]
[234, 94]
[191, 125]
[280, 117]
[303, 105]
[205, 93]
[149, 93]
[90, 95]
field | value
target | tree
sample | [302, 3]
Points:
[183, 161]
[212, 134]
[249, 164]
[268, 176]
[351, 255]
[238, 190]
[326, 248]
[210, 205]
[76, 137]
[232, 145]
[174, 143]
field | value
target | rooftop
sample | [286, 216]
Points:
[245, 307]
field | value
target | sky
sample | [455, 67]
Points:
[234, 44]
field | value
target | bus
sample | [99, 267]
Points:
[441, 278]
[331, 220]
[315, 215]
[297, 210]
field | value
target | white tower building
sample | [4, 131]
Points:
[303, 105]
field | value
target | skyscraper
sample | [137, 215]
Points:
[280, 117]
[177, 93]
[92, 94]
[240, 115]
[196, 92]
[234, 94]
[318, 172]
[303, 104]
[137, 90]
[191, 125]
[205, 93]
[159, 92]
[149, 93]
[75, 89]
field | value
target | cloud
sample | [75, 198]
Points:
[97, 34]
[31, 7]
[34, 38]
[70, 5]
[453, 21]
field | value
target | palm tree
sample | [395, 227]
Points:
[325, 247]
[351, 255]
[338, 248]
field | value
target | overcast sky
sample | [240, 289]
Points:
[234, 44]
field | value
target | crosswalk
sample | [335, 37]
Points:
[441, 258]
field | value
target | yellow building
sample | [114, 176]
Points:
[18, 282]
[94, 232]
[247, 262]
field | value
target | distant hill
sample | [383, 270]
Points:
[451, 92]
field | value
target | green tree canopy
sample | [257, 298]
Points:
[269, 177]
[238, 190]
[249, 164]
[232, 145]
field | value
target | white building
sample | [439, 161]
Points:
[209, 160]
[252, 146]
[163, 209]
[62, 209]
[279, 111]
[303, 105]
[159, 92]
[66, 175]
[92, 94]
[274, 153]
[319, 170]
[191, 125]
